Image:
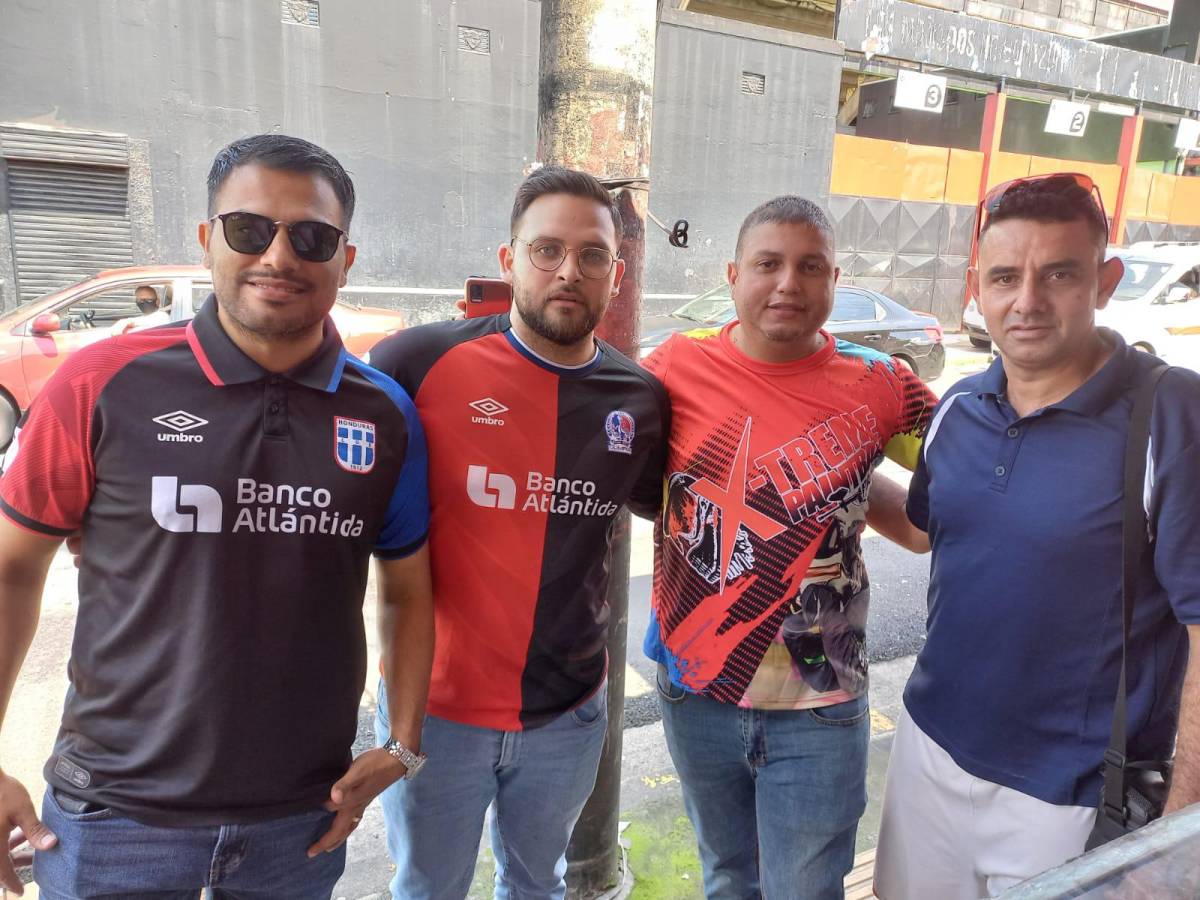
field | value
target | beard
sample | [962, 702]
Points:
[561, 330]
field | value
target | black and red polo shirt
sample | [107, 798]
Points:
[529, 464]
[228, 518]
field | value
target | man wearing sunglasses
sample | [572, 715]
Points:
[995, 768]
[538, 434]
[232, 476]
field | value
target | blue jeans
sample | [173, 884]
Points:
[774, 795]
[103, 854]
[537, 780]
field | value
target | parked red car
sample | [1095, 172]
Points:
[37, 337]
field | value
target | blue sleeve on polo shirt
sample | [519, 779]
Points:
[1175, 491]
[406, 523]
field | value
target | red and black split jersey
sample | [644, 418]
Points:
[228, 519]
[529, 464]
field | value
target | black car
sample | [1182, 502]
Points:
[859, 315]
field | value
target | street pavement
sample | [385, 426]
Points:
[662, 852]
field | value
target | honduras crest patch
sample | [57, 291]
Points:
[354, 444]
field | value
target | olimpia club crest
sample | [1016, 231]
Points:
[619, 429]
[354, 444]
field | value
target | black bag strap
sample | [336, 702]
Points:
[1134, 542]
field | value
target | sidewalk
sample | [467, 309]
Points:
[661, 845]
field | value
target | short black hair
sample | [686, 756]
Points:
[786, 210]
[561, 180]
[1059, 198]
[281, 151]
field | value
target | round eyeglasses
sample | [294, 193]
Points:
[548, 254]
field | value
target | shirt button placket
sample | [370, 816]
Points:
[275, 415]
[1006, 456]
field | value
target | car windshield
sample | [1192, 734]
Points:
[707, 309]
[1140, 275]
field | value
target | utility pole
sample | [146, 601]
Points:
[594, 92]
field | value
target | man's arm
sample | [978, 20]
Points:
[887, 513]
[1185, 780]
[24, 560]
[406, 633]
[406, 636]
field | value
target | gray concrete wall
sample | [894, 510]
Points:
[436, 138]
[717, 152]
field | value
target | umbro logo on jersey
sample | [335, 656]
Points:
[180, 422]
[184, 508]
[495, 491]
[489, 410]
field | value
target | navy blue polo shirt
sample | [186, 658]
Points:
[1018, 675]
[229, 515]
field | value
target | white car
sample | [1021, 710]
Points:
[1156, 301]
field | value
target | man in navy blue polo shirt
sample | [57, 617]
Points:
[232, 477]
[994, 774]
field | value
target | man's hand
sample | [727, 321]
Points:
[75, 548]
[19, 821]
[365, 780]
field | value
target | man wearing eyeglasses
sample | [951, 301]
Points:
[232, 477]
[995, 768]
[538, 433]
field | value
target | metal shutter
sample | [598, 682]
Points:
[68, 223]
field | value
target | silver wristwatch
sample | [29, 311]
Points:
[413, 762]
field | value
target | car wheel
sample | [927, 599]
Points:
[905, 361]
[9, 416]
[981, 343]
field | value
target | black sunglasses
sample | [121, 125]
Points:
[251, 233]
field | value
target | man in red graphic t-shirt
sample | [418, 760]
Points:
[760, 591]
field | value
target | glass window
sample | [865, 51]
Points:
[708, 309]
[851, 306]
[105, 307]
[1140, 275]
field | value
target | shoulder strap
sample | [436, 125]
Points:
[1134, 541]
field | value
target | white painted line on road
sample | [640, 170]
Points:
[635, 684]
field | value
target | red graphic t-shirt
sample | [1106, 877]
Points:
[760, 592]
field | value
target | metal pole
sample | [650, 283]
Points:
[594, 92]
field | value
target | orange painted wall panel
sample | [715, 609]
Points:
[962, 177]
[1185, 205]
[1140, 182]
[1162, 192]
[1106, 176]
[866, 167]
[1006, 167]
[924, 177]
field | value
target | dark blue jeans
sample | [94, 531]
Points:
[774, 795]
[104, 855]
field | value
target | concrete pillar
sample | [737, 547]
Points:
[1127, 157]
[989, 145]
[594, 92]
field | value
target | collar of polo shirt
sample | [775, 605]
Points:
[224, 364]
[1090, 398]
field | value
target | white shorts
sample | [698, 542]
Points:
[948, 835]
